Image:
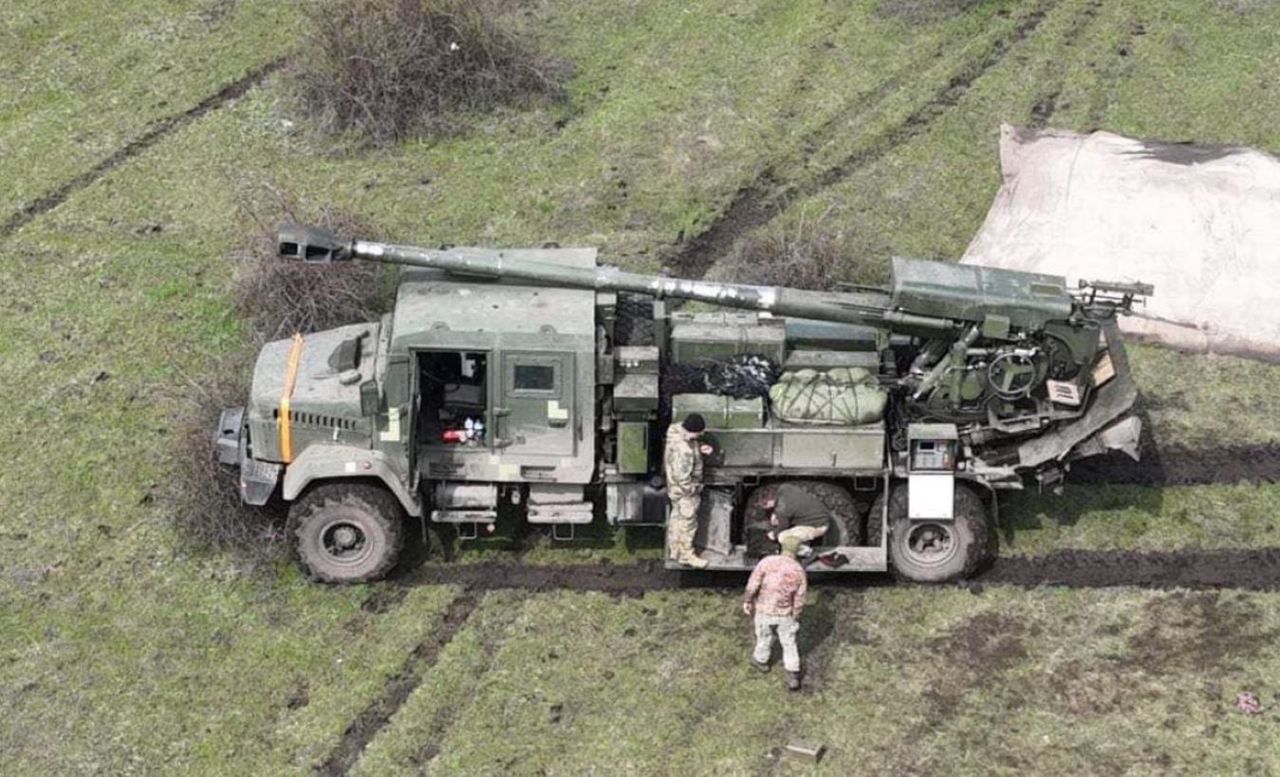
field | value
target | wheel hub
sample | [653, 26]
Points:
[344, 537]
[930, 543]
[344, 542]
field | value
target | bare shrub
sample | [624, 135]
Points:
[203, 495]
[278, 297]
[281, 297]
[386, 69]
[803, 256]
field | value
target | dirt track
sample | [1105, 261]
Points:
[361, 731]
[1182, 467]
[158, 131]
[1257, 570]
[760, 201]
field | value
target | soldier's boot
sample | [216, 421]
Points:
[691, 559]
[793, 681]
[762, 666]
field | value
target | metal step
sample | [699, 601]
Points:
[860, 559]
[575, 513]
[464, 516]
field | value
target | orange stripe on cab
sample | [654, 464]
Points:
[290, 378]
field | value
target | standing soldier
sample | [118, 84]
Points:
[775, 596]
[682, 462]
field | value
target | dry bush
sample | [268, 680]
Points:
[203, 495]
[382, 70]
[281, 297]
[805, 256]
[278, 297]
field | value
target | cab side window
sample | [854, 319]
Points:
[534, 377]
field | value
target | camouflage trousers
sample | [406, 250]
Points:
[803, 534]
[786, 628]
[682, 524]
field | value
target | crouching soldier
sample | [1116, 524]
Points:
[775, 596]
[682, 463]
[794, 512]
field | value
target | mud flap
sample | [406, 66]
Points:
[714, 517]
[1122, 436]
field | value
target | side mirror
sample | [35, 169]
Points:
[369, 398]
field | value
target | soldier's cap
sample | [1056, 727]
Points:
[694, 422]
[790, 546]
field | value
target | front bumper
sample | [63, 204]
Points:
[258, 479]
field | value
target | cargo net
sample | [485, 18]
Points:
[743, 376]
[838, 397]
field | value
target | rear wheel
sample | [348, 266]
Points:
[934, 551]
[347, 532]
[844, 526]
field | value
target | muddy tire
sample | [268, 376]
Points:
[347, 532]
[935, 551]
[845, 526]
[634, 325]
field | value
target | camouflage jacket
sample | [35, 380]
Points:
[682, 464]
[778, 586]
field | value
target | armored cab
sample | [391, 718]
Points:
[537, 385]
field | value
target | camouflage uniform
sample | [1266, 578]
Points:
[777, 591]
[682, 463]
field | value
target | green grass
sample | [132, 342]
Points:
[902, 681]
[1138, 518]
[82, 79]
[131, 651]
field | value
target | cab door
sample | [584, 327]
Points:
[537, 414]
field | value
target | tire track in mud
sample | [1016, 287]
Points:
[756, 204]
[1246, 569]
[361, 731]
[1178, 466]
[159, 130]
[1250, 570]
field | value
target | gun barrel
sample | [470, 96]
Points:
[865, 308]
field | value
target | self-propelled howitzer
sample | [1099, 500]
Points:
[537, 384]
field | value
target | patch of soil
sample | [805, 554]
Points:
[833, 620]
[158, 131]
[973, 657]
[361, 731]
[614, 579]
[1207, 630]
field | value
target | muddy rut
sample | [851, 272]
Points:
[1257, 570]
[361, 731]
[157, 132]
[760, 201]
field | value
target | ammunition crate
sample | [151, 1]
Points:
[692, 342]
[720, 412]
[633, 447]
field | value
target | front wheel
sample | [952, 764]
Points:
[936, 551]
[347, 532]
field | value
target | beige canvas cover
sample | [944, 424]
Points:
[1201, 223]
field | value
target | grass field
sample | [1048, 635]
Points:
[129, 649]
